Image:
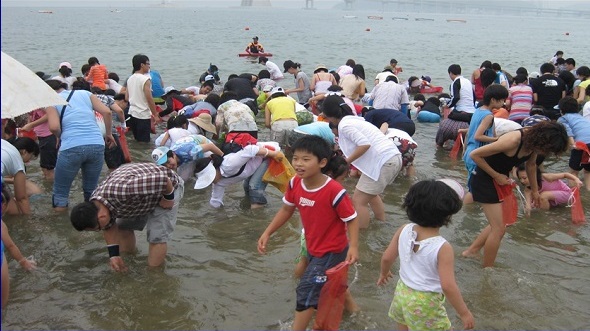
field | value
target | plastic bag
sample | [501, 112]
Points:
[331, 302]
[509, 202]
[578, 216]
[585, 152]
[123, 143]
[279, 173]
[456, 146]
[100, 122]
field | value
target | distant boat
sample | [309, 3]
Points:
[372, 17]
[115, 11]
[455, 20]
[45, 12]
[423, 19]
[400, 18]
[348, 16]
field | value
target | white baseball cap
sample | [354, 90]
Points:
[160, 155]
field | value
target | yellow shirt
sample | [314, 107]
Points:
[281, 108]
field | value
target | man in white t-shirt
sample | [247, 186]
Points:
[141, 102]
[273, 68]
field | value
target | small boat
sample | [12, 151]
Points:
[45, 12]
[115, 11]
[400, 18]
[349, 16]
[248, 54]
[373, 17]
[455, 20]
[431, 90]
[423, 19]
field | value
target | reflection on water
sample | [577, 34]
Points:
[214, 278]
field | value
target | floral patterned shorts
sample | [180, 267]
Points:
[419, 310]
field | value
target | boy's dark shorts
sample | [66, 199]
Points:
[314, 278]
[47, 152]
[141, 129]
[576, 160]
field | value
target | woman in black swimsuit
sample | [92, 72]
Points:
[494, 163]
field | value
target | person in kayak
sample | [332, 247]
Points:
[254, 46]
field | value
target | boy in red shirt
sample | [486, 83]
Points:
[326, 213]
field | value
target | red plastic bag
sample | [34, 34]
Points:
[457, 146]
[578, 216]
[585, 152]
[331, 302]
[24, 133]
[123, 143]
[509, 202]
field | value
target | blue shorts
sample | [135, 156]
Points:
[314, 278]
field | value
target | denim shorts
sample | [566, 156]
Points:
[159, 223]
[254, 186]
[314, 278]
[87, 158]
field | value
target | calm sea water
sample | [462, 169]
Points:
[214, 278]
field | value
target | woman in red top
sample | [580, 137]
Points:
[476, 79]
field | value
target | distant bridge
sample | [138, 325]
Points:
[475, 7]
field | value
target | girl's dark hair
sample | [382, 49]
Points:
[65, 71]
[213, 99]
[93, 60]
[208, 83]
[203, 162]
[56, 84]
[431, 203]
[419, 97]
[583, 71]
[113, 76]
[546, 137]
[80, 84]
[336, 76]
[569, 80]
[487, 76]
[180, 120]
[227, 96]
[263, 74]
[434, 100]
[350, 63]
[359, 71]
[334, 106]
[85, 68]
[522, 167]
[27, 144]
[10, 127]
[337, 166]
[487, 64]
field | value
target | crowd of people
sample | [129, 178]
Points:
[336, 129]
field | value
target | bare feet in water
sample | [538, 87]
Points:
[470, 254]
